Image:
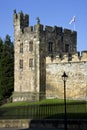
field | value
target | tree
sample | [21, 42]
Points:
[7, 66]
[1, 48]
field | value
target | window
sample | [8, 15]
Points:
[21, 48]
[31, 46]
[21, 64]
[50, 46]
[30, 62]
[66, 48]
[69, 57]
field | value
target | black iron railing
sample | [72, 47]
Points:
[77, 110]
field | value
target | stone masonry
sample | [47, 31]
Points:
[42, 54]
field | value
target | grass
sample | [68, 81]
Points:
[47, 101]
[45, 109]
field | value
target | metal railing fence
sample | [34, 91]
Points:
[77, 110]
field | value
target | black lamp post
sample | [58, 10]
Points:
[64, 78]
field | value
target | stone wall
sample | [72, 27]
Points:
[76, 84]
[29, 123]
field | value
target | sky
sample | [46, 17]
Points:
[51, 13]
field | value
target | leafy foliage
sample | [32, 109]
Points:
[6, 67]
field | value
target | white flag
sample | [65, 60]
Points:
[72, 20]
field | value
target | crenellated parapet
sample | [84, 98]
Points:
[66, 58]
[21, 20]
[50, 29]
[84, 55]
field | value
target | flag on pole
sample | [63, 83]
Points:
[72, 20]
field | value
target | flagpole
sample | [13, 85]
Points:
[73, 21]
[74, 26]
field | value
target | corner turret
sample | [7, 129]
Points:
[20, 22]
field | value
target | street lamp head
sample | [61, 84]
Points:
[64, 76]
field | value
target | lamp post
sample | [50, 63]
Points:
[64, 78]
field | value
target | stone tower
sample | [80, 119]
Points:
[29, 63]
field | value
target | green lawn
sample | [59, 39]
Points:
[45, 109]
[47, 101]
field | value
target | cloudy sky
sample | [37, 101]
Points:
[50, 12]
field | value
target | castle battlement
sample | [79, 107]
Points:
[76, 57]
[84, 55]
[23, 21]
[49, 29]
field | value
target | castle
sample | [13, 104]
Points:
[42, 54]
